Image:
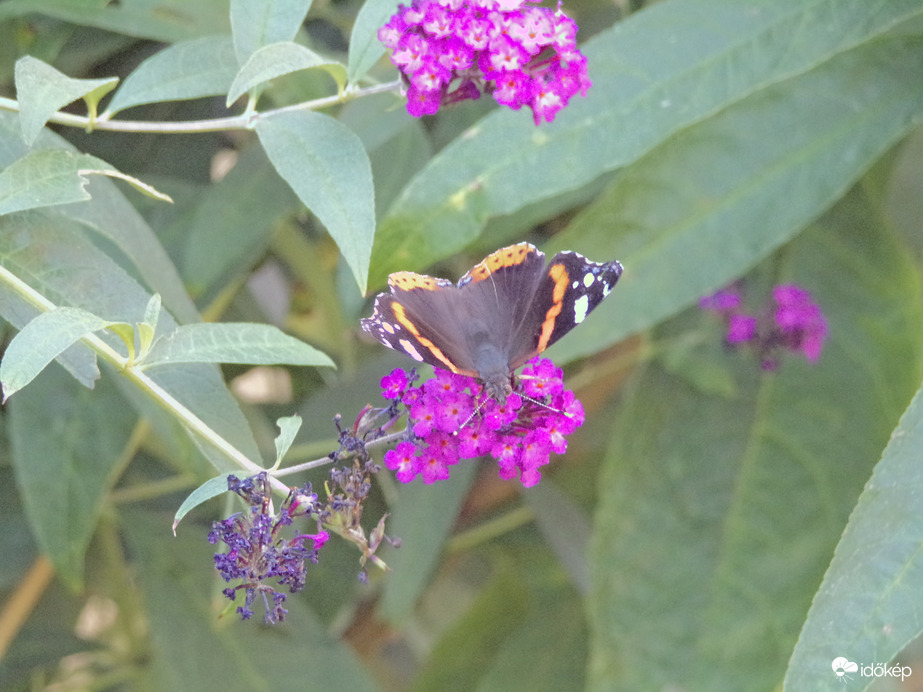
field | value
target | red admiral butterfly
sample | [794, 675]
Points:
[509, 308]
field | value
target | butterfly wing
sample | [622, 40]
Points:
[570, 288]
[419, 317]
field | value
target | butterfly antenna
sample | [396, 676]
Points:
[538, 402]
[546, 406]
[477, 409]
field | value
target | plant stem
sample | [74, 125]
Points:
[245, 121]
[133, 372]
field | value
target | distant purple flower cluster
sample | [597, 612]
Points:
[256, 552]
[520, 433]
[521, 54]
[795, 324]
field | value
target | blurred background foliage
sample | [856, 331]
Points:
[680, 542]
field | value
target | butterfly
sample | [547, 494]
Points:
[507, 309]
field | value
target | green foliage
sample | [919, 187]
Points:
[712, 526]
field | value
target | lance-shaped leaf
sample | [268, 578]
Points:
[205, 492]
[325, 163]
[720, 515]
[42, 91]
[68, 447]
[364, 47]
[279, 59]
[187, 70]
[826, 126]
[868, 607]
[227, 342]
[41, 341]
[49, 177]
[288, 428]
[257, 23]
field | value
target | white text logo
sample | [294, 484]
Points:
[843, 667]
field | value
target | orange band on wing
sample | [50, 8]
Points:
[506, 257]
[401, 316]
[560, 277]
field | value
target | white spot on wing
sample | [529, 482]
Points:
[410, 350]
[589, 279]
[581, 305]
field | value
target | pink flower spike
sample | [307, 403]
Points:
[433, 468]
[390, 34]
[533, 31]
[507, 5]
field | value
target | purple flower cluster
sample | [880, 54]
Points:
[795, 324]
[451, 421]
[521, 54]
[256, 552]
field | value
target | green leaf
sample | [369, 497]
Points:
[499, 610]
[42, 91]
[237, 214]
[423, 519]
[279, 59]
[288, 428]
[41, 341]
[566, 528]
[35, 245]
[48, 177]
[110, 215]
[721, 514]
[162, 20]
[364, 47]
[205, 492]
[639, 98]
[826, 126]
[190, 69]
[536, 656]
[228, 342]
[78, 360]
[327, 167]
[67, 449]
[258, 23]
[126, 333]
[868, 607]
[147, 328]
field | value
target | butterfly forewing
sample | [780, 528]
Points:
[570, 288]
[419, 318]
